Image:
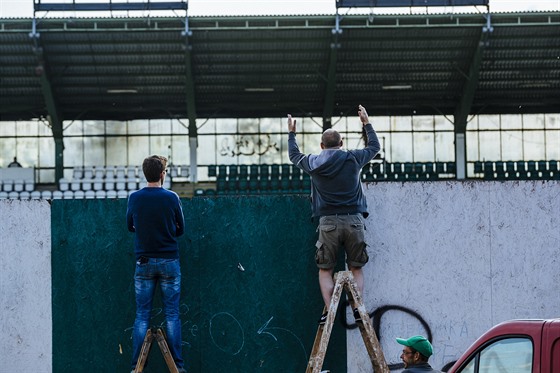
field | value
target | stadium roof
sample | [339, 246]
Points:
[267, 66]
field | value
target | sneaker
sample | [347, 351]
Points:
[323, 318]
[357, 316]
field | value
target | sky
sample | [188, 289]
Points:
[24, 8]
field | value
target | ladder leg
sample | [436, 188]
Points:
[160, 337]
[366, 328]
[144, 352]
[324, 331]
[315, 349]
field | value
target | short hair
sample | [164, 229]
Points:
[331, 138]
[153, 166]
[422, 357]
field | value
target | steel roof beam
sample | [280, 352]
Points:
[54, 117]
[465, 105]
[108, 6]
[191, 102]
[328, 106]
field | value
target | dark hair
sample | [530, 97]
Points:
[153, 166]
[422, 357]
[331, 138]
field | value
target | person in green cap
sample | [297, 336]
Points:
[416, 352]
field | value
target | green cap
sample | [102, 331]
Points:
[418, 343]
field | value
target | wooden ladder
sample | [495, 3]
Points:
[345, 281]
[147, 345]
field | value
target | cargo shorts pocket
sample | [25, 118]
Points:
[323, 256]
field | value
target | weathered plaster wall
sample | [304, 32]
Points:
[462, 256]
[459, 256]
[25, 286]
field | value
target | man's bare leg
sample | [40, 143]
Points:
[326, 283]
[359, 278]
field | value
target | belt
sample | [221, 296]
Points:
[343, 214]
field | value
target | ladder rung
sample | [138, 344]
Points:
[345, 281]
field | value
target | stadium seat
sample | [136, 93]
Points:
[120, 172]
[451, 167]
[57, 194]
[90, 194]
[35, 194]
[100, 194]
[68, 194]
[13, 195]
[131, 172]
[87, 184]
[98, 184]
[120, 184]
[212, 170]
[3, 195]
[477, 167]
[74, 185]
[510, 170]
[99, 173]
[132, 183]
[77, 173]
[232, 172]
[254, 171]
[222, 171]
[18, 185]
[521, 170]
[79, 194]
[24, 195]
[109, 182]
[29, 186]
[500, 170]
[489, 170]
[88, 173]
[121, 194]
[47, 194]
[8, 186]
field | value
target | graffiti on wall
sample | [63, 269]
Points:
[234, 146]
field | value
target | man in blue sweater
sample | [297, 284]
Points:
[155, 216]
[338, 201]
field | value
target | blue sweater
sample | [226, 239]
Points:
[156, 217]
[335, 175]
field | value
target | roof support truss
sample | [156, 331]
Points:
[191, 102]
[54, 117]
[328, 106]
[464, 106]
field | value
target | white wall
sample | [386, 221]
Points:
[25, 286]
[464, 256]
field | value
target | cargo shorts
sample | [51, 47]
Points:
[342, 230]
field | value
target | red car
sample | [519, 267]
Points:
[516, 346]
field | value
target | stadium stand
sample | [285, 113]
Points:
[251, 179]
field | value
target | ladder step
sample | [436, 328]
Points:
[345, 281]
[159, 336]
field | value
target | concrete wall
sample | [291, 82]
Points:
[447, 258]
[461, 257]
[25, 286]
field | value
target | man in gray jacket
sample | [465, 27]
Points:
[338, 201]
[415, 354]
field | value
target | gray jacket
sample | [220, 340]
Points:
[420, 368]
[336, 187]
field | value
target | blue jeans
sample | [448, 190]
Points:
[146, 277]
